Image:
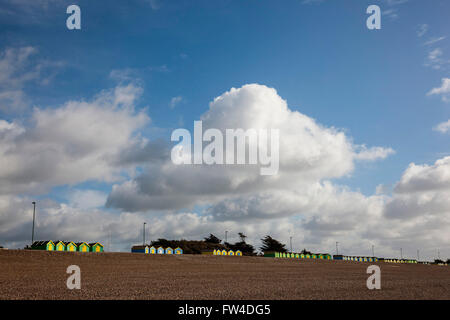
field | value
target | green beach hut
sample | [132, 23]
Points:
[96, 247]
[71, 246]
[60, 246]
[83, 247]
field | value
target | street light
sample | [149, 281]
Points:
[143, 243]
[290, 240]
[337, 250]
[226, 233]
[34, 216]
[373, 251]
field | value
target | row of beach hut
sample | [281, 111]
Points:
[223, 252]
[399, 260]
[355, 258]
[70, 246]
[322, 256]
[153, 250]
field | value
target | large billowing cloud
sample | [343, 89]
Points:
[76, 142]
[417, 215]
[309, 153]
[423, 195]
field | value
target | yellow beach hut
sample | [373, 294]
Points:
[60, 246]
[71, 246]
[160, 250]
[83, 247]
[96, 247]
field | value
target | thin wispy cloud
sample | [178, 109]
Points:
[175, 101]
[443, 90]
[435, 59]
[422, 29]
[443, 127]
[20, 67]
[391, 13]
[434, 40]
[312, 1]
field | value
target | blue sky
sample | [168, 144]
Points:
[318, 55]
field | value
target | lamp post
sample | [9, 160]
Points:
[226, 233]
[373, 251]
[143, 243]
[401, 253]
[290, 240]
[34, 216]
[337, 250]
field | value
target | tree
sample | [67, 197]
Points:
[212, 239]
[448, 261]
[304, 251]
[270, 244]
[245, 248]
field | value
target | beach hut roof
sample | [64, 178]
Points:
[80, 243]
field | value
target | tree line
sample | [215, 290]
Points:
[212, 242]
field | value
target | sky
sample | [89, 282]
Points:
[86, 118]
